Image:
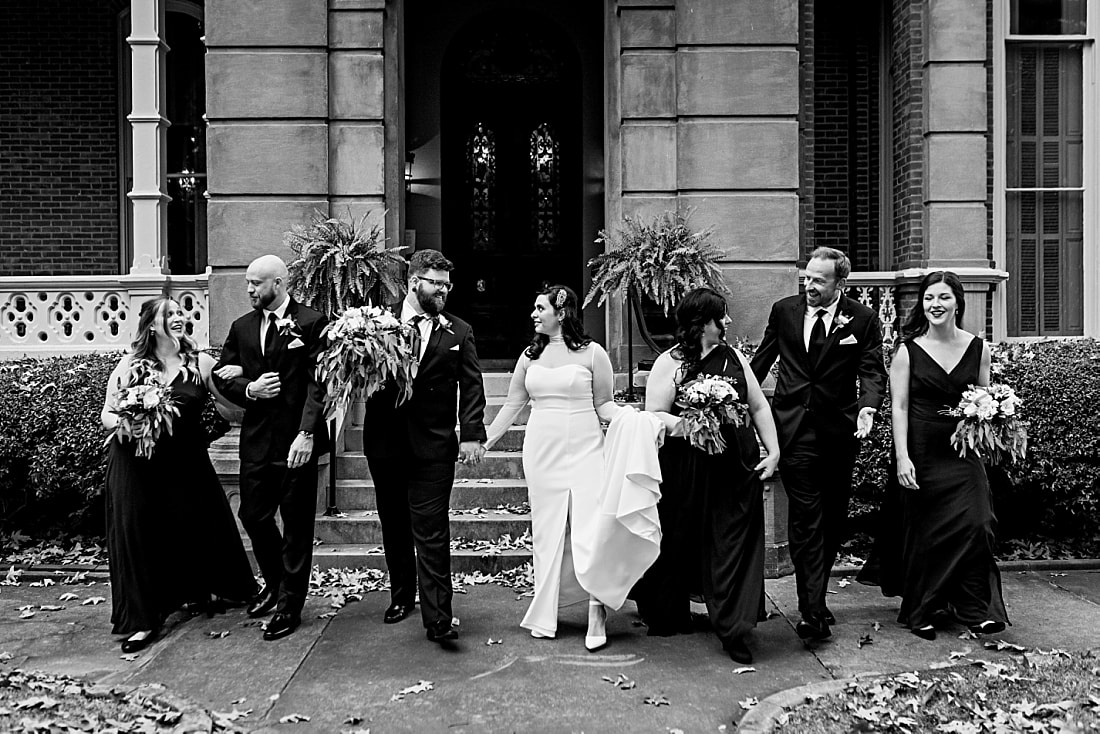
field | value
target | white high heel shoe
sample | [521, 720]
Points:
[597, 619]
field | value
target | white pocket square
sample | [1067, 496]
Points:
[295, 344]
[849, 340]
[455, 348]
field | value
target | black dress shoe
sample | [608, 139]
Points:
[281, 625]
[442, 632]
[129, 646]
[738, 650]
[828, 617]
[263, 604]
[813, 629]
[988, 627]
[928, 632]
[396, 612]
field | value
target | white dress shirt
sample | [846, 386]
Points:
[280, 312]
[425, 326]
[811, 316]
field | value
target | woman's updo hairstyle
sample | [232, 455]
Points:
[567, 308]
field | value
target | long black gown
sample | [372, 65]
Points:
[712, 521]
[171, 536]
[945, 562]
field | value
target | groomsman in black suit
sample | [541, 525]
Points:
[826, 343]
[282, 433]
[412, 448]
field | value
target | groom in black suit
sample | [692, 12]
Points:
[825, 342]
[282, 434]
[412, 448]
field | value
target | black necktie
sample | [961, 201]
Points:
[817, 336]
[269, 337]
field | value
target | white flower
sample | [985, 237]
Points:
[151, 399]
[842, 320]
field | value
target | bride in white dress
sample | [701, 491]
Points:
[568, 379]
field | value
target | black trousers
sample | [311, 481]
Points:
[413, 499]
[816, 468]
[285, 558]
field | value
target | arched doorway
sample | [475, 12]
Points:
[511, 160]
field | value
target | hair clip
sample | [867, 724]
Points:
[559, 300]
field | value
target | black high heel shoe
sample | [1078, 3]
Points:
[928, 632]
[988, 627]
[130, 645]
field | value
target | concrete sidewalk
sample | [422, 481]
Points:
[348, 668]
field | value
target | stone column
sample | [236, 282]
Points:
[956, 214]
[357, 134]
[149, 126]
[268, 143]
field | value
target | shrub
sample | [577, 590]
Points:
[52, 457]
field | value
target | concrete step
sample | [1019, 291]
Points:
[358, 494]
[496, 383]
[512, 440]
[462, 561]
[495, 465]
[360, 527]
[495, 403]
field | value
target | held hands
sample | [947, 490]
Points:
[907, 473]
[471, 452]
[265, 386]
[864, 422]
[229, 371]
[767, 465]
[300, 451]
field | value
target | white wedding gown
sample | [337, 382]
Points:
[563, 463]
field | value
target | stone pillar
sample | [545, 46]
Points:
[357, 134]
[956, 214]
[149, 126]
[267, 81]
[737, 153]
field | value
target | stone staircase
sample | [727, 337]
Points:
[488, 503]
[489, 515]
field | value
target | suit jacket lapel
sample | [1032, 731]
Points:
[798, 324]
[278, 345]
[831, 338]
[433, 345]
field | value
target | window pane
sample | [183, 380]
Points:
[1045, 116]
[1048, 17]
[1044, 248]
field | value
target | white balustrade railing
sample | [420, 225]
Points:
[45, 316]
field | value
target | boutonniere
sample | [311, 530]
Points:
[445, 324]
[287, 326]
[842, 320]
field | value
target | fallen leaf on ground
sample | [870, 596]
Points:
[491, 641]
[233, 715]
[50, 607]
[218, 635]
[876, 626]
[656, 701]
[93, 600]
[747, 669]
[956, 654]
[129, 657]
[1002, 645]
[865, 640]
[68, 596]
[621, 682]
[749, 702]
[293, 719]
[421, 687]
[844, 582]
[26, 615]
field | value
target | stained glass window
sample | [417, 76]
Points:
[481, 160]
[545, 187]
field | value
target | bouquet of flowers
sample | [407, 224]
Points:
[367, 346]
[145, 408]
[990, 425]
[707, 404]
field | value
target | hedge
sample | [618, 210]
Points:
[52, 455]
[1056, 490]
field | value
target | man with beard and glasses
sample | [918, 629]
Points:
[826, 343]
[268, 366]
[411, 448]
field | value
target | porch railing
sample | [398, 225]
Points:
[44, 316]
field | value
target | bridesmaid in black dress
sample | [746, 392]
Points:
[171, 536]
[711, 506]
[947, 569]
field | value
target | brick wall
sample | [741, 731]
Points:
[907, 49]
[59, 137]
[846, 78]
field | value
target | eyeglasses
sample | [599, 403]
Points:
[444, 285]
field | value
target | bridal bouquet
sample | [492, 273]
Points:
[707, 404]
[145, 408]
[990, 425]
[367, 346]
